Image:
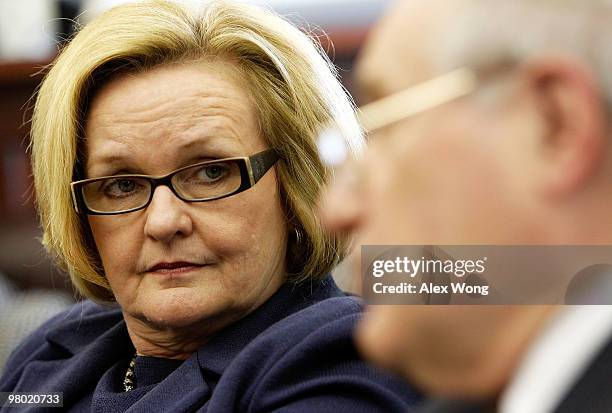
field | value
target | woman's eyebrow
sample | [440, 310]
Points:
[212, 143]
[109, 165]
[113, 161]
[213, 148]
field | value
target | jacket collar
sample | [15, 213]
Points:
[290, 298]
[85, 323]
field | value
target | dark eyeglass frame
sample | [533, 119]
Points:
[252, 169]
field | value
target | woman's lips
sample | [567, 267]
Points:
[170, 268]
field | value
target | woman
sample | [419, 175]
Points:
[176, 174]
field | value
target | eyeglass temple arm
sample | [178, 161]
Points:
[261, 162]
[420, 98]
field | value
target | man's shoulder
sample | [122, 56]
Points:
[591, 391]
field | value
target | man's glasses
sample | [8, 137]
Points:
[204, 181]
[332, 144]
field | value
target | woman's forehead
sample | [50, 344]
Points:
[176, 95]
[175, 108]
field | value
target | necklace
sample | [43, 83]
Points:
[129, 381]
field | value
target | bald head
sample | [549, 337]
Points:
[401, 48]
[419, 39]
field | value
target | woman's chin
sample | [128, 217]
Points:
[181, 307]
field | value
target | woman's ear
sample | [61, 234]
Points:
[570, 104]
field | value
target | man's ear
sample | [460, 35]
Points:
[571, 108]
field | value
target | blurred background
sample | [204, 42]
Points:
[31, 33]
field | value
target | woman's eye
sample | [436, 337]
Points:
[125, 185]
[211, 173]
[121, 187]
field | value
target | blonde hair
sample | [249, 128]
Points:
[294, 85]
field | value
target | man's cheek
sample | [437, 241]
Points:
[382, 338]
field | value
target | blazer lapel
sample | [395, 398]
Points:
[455, 406]
[593, 390]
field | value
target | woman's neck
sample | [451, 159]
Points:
[166, 342]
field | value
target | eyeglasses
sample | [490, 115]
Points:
[201, 182]
[332, 145]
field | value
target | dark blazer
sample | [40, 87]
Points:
[295, 353]
[590, 393]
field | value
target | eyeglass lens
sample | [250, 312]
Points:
[197, 183]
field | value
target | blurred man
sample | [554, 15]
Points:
[525, 159]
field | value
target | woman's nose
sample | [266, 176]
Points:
[167, 216]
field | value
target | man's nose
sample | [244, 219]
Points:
[167, 216]
[341, 207]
